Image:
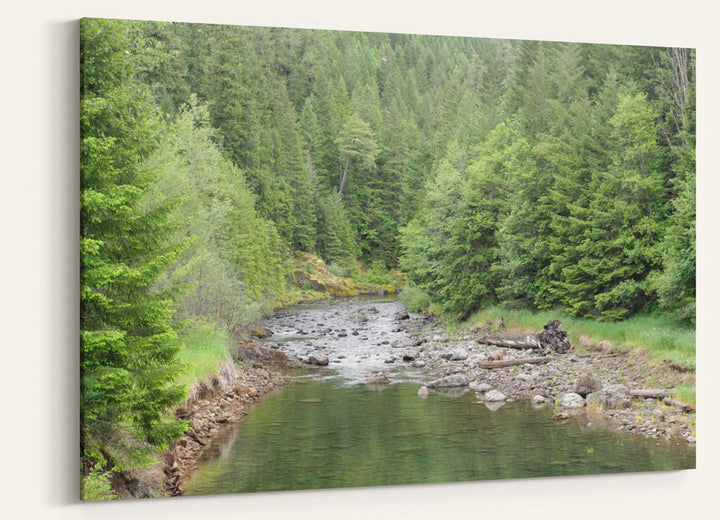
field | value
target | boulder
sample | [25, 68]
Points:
[538, 400]
[418, 363]
[423, 392]
[586, 384]
[377, 378]
[480, 387]
[458, 354]
[494, 396]
[410, 355]
[572, 400]
[611, 397]
[318, 359]
[449, 381]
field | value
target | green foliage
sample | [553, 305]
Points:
[96, 485]
[128, 363]
[415, 299]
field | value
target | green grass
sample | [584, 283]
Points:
[204, 348]
[685, 392]
[664, 339]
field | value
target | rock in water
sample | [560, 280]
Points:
[318, 359]
[572, 400]
[538, 400]
[410, 355]
[449, 381]
[422, 392]
[586, 384]
[377, 378]
[494, 396]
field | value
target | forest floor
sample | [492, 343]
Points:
[616, 372]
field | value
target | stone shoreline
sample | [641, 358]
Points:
[214, 404]
[613, 371]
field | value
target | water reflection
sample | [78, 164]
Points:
[324, 434]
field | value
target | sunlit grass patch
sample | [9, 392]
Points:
[204, 349]
[664, 339]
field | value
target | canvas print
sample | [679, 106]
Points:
[314, 259]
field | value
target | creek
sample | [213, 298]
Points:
[328, 429]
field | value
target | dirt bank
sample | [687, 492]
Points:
[615, 374]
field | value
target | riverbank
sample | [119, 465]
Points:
[214, 404]
[594, 381]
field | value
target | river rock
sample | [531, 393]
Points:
[377, 378]
[449, 381]
[494, 396]
[586, 384]
[410, 355]
[458, 354]
[390, 360]
[423, 392]
[418, 363]
[572, 400]
[538, 400]
[260, 332]
[611, 397]
[318, 359]
[480, 387]
[402, 315]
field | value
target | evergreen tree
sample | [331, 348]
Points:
[128, 362]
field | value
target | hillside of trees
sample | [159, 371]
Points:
[525, 174]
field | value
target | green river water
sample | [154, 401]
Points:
[324, 433]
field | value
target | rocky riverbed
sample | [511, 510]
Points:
[379, 341]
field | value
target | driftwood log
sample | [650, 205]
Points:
[679, 404]
[649, 394]
[550, 339]
[506, 339]
[513, 362]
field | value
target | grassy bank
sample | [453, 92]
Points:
[204, 348]
[664, 339]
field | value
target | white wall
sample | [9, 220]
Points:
[39, 300]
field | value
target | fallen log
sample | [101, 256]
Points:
[550, 339]
[513, 362]
[649, 393]
[519, 341]
[679, 404]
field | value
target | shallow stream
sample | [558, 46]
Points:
[331, 430]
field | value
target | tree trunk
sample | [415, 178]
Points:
[678, 404]
[649, 393]
[513, 362]
[344, 178]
